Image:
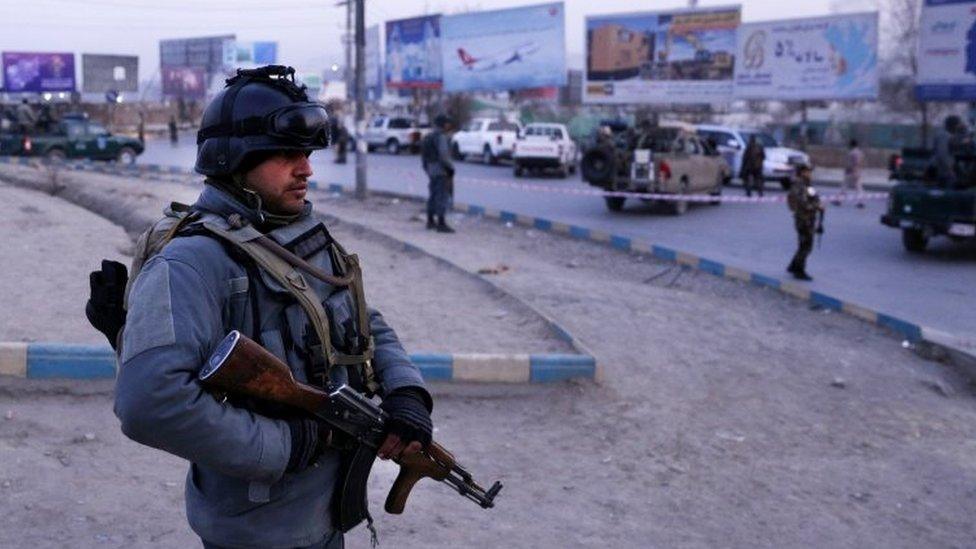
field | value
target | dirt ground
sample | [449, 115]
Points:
[729, 415]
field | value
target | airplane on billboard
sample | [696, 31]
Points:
[498, 59]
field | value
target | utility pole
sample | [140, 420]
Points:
[360, 104]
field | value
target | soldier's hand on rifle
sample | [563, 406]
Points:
[409, 428]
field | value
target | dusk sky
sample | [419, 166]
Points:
[308, 33]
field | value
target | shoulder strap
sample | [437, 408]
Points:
[287, 273]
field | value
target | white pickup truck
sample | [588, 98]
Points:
[485, 138]
[394, 133]
[542, 146]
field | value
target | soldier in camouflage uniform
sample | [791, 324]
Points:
[807, 217]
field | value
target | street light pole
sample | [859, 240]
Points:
[360, 105]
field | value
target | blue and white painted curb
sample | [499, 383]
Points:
[962, 351]
[65, 361]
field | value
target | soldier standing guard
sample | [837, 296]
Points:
[807, 217]
[436, 160]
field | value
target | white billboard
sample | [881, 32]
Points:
[947, 51]
[675, 56]
[833, 57]
[506, 49]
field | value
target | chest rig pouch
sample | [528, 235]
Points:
[290, 271]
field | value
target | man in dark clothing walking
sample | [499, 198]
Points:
[436, 159]
[752, 167]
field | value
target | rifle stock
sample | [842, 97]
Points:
[243, 368]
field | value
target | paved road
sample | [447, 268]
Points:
[860, 260]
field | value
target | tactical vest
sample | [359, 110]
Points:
[288, 269]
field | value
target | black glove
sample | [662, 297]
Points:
[409, 410]
[105, 309]
[309, 439]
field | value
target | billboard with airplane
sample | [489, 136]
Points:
[508, 49]
[677, 56]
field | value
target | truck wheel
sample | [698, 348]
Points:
[126, 156]
[786, 183]
[519, 170]
[393, 147]
[55, 156]
[488, 157]
[598, 167]
[572, 168]
[914, 240]
[615, 203]
[680, 207]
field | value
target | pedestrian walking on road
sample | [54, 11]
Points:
[250, 255]
[174, 136]
[752, 167]
[436, 158]
[807, 218]
[852, 173]
[26, 117]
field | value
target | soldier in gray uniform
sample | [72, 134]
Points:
[260, 476]
[436, 158]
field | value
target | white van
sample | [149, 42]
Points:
[780, 161]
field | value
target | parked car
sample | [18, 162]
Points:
[394, 134]
[75, 137]
[485, 138]
[780, 163]
[544, 146]
[665, 159]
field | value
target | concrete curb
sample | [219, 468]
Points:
[59, 360]
[69, 361]
[957, 351]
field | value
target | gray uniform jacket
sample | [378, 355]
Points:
[183, 302]
[435, 154]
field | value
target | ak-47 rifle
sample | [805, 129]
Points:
[242, 368]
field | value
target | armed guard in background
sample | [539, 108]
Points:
[808, 215]
[436, 158]
[250, 256]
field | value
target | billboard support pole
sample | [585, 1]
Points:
[360, 94]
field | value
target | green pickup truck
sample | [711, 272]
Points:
[72, 137]
[922, 207]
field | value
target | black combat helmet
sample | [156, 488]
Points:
[260, 110]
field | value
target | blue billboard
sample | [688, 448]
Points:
[506, 49]
[947, 51]
[413, 52]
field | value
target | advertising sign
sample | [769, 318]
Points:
[38, 72]
[374, 70]
[833, 57]
[947, 51]
[413, 52]
[505, 49]
[212, 54]
[255, 53]
[186, 82]
[678, 56]
[103, 73]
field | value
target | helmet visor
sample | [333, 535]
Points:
[306, 124]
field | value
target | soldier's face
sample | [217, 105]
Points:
[281, 181]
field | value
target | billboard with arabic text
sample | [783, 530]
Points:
[818, 58]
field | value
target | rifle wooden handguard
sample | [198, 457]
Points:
[434, 462]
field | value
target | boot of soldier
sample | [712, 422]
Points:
[801, 274]
[442, 226]
[430, 222]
